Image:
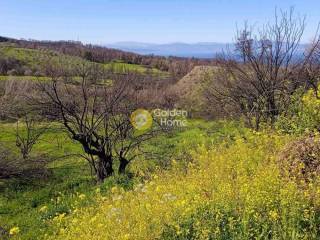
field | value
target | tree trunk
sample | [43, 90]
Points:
[104, 168]
[257, 122]
[123, 164]
[273, 111]
[24, 155]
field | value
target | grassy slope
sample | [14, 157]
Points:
[221, 171]
[190, 88]
[19, 199]
[31, 78]
[231, 190]
[20, 202]
[32, 59]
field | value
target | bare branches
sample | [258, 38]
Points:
[28, 137]
[14, 166]
[266, 68]
[95, 111]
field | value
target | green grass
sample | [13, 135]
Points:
[20, 202]
[121, 67]
[33, 58]
[21, 199]
[28, 78]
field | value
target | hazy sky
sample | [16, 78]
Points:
[107, 21]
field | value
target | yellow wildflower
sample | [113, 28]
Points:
[14, 231]
[43, 209]
[273, 215]
[82, 196]
[114, 189]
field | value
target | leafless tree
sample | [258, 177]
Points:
[28, 135]
[259, 77]
[95, 112]
[311, 69]
[14, 166]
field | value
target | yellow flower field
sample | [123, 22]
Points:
[234, 191]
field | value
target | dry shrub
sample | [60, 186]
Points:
[152, 98]
[15, 98]
[300, 159]
[14, 166]
[191, 93]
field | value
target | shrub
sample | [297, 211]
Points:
[303, 113]
[13, 166]
[301, 158]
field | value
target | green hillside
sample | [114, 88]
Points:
[30, 61]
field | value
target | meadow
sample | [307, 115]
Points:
[219, 180]
[22, 200]
[230, 190]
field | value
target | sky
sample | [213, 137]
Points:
[152, 21]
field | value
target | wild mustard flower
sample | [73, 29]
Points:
[59, 217]
[236, 190]
[43, 209]
[273, 215]
[114, 189]
[14, 231]
[82, 196]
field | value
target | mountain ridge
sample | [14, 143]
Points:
[203, 50]
[179, 49]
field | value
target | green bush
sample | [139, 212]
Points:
[302, 115]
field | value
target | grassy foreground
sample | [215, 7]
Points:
[234, 190]
[32, 204]
[231, 191]
[224, 182]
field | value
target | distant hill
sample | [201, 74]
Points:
[190, 89]
[197, 50]
[22, 60]
[202, 50]
[175, 66]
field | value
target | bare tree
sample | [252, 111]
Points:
[14, 166]
[95, 112]
[311, 69]
[258, 79]
[29, 135]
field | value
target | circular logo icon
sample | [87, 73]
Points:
[141, 119]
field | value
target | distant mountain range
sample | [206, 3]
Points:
[198, 50]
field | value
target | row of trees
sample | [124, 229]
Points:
[176, 66]
[257, 79]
